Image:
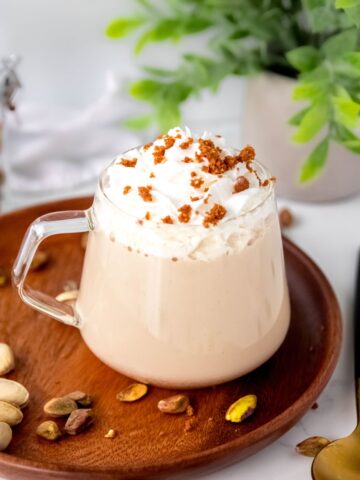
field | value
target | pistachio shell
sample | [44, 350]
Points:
[49, 430]
[60, 407]
[5, 435]
[13, 392]
[67, 296]
[175, 404]
[133, 392]
[311, 446]
[10, 414]
[241, 409]
[81, 398]
[7, 359]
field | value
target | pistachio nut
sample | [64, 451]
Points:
[241, 409]
[81, 398]
[13, 392]
[5, 435]
[68, 297]
[10, 414]
[175, 404]
[49, 430]
[311, 446]
[110, 434]
[78, 421]
[133, 392]
[60, 407]
[7, 359]
[39, 260]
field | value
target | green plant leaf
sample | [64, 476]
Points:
[138, 123]
[313, 121]
[346, 3]
[195, 24]
[315, 162]
[304, 58]
[307, 91]
[346, 111]
[168, 116]
[321, 14]
[341, 43]
[346, 138]
[296, 119]
[145, 89]
[122, 27]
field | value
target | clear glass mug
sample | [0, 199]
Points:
[196, 320]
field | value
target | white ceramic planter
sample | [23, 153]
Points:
[268, 106]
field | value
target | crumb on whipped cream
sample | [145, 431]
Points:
[186, 179]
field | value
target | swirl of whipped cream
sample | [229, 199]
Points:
[181, 181]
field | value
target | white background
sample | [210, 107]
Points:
[65, 57]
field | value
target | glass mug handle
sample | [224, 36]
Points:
[73, 221]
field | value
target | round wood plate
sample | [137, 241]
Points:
[52, 360]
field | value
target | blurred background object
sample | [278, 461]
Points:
[184, 61]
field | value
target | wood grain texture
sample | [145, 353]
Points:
[53, 360]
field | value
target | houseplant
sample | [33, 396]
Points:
[313, 45]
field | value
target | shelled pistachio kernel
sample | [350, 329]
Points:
[10, 414]
[81, 398]
[4, 278]
[49, 430]
[13, 392]
[5, 435]
[60, 407]
[241, 409]
[7, 359]
[133, 392]
[175, 404]
[39, 261]
[311, 446]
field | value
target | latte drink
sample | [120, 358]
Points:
[183, 282]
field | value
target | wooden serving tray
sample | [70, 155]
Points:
[53, 360]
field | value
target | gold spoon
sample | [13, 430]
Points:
[340, 460]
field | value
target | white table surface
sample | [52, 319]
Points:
[330, 234]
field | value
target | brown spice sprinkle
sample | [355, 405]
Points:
[185, 213]
[167, 219]
[147, 216]
[217, 164]
[159, 154]
[214, 215]
[197, 182]
[241, 184]
[159, 151]
[186, 144]
[194, 199]
[128, 163]
[126, 190]
[145, 193]
[188, 160]
[152, 175]
[147, 146]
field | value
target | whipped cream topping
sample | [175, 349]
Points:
[184, 197]
[182, 179]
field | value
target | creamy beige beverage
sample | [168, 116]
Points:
[183, 282]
